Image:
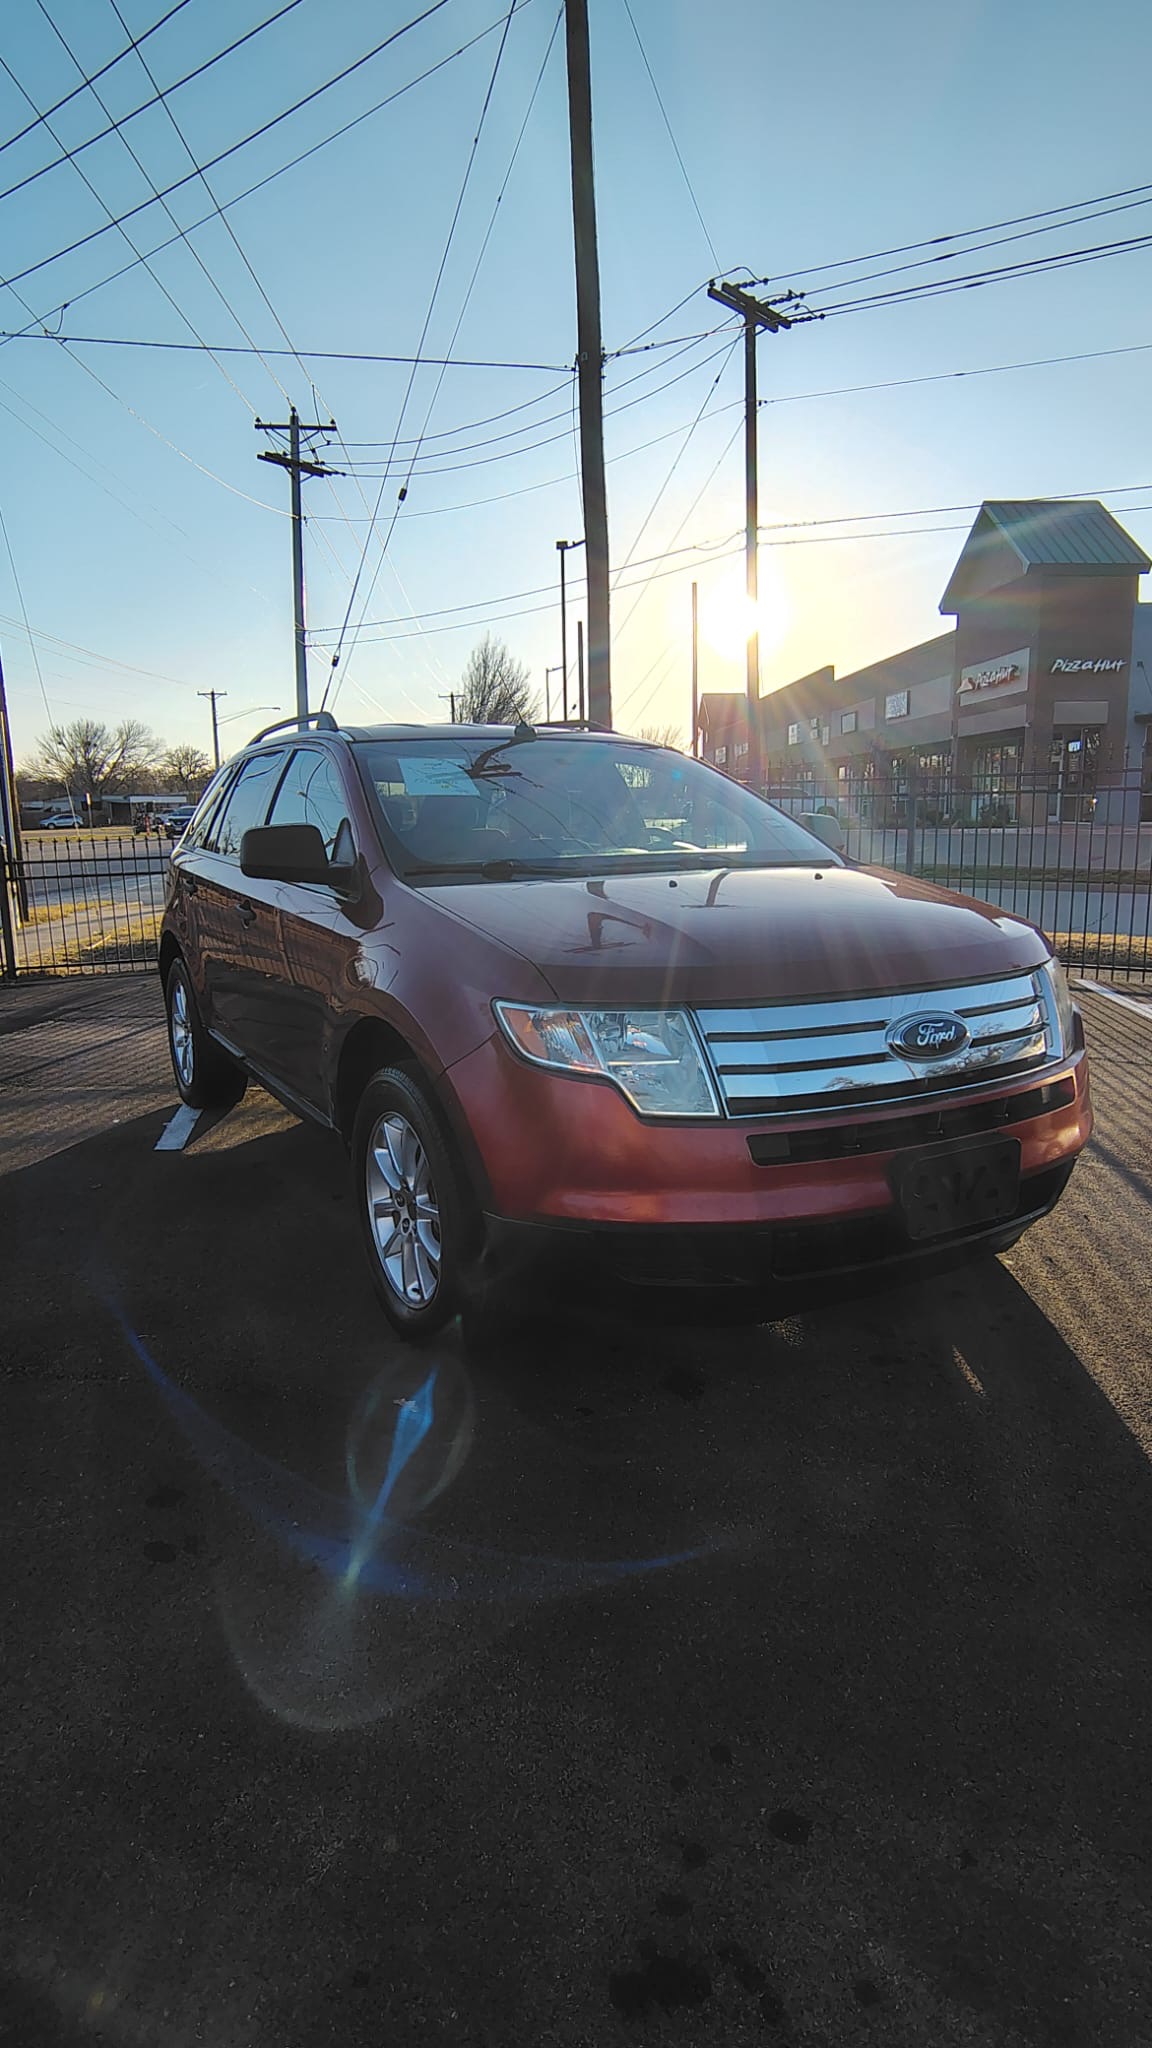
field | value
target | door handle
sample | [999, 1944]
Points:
[248, 911]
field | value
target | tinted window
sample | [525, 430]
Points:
[248, 804]
[586, 805]
[312, 794]
[207, 810]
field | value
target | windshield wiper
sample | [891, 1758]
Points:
[491, 870]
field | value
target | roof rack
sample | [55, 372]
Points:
[571, 725]
[322, 720]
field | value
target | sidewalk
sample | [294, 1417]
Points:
[77, 1057]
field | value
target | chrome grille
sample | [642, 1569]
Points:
[788, 1057]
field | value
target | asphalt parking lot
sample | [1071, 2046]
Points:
[618, 1683]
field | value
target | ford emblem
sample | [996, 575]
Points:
[935, 1035]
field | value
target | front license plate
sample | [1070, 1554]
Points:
[957, 1187]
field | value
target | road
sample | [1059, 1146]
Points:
[787, 1685]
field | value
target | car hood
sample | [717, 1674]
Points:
[732, 935]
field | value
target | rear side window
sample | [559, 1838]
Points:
[247, 805]
[312, 793]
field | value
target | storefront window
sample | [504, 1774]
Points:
[991, 774]
[1073, 760]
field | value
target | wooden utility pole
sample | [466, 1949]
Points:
[756, 314]
[589, 362]
[297, 466]
[10, 821]
[581, 700]
[213, 696]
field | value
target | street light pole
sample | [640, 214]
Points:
[562, 547]
[555, 670]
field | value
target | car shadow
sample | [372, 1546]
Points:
[796, 1658]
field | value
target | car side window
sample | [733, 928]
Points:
[312, 793]
[207, 811]
[247, 804]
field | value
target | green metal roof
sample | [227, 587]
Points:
[1049, 533]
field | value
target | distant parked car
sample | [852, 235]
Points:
[57, 821]
[176, 823]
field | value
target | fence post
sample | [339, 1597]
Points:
[7, 929]
[910, 849]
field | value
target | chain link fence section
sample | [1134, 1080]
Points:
[86, 902]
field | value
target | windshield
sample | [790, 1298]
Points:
[542, 805]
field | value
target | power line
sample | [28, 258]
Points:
[672, 549]
[453, 224]
[291, 164]
[973, 249]
[671, 136]
[228, 228]
[721, 548]
[1034, 266]
[69, 156]
[959, 234]
[24, 615]
[157, 280]
[133, 44]
[680, 454]
[1091, 355]
[265, 128]
[314, 355]
[449, 468]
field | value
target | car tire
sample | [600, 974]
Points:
[205, 1076]
[417, 1214]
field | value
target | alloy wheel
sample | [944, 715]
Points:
[403, 1211]
[183, 1052]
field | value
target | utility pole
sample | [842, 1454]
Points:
[756, 314]
[451, 696]
[580, 672]
[12, 877]
[694, 749]
[297, 465]
[213, 696]
[548, 675]
[589, 361]
[10, 812]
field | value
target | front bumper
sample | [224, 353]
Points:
[784, 1267]
[570, 1153]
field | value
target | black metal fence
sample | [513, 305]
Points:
[1076, 861]
[85, 902]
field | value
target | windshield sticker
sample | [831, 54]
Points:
[438, 776]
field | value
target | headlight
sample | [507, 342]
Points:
[1061, 1009]
[653, 1056]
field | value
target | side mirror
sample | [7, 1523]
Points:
[825, 828]
[290, 853]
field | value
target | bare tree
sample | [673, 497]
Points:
[494, 687]
[663, 736]
[92, 761]
[186, 768]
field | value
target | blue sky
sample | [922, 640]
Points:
[146, 534]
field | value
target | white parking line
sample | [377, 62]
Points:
[1113, 996]
[178, 1130]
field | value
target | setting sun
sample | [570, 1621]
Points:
[728, 617]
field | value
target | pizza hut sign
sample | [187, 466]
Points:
[1091, 667]
[1007, 675]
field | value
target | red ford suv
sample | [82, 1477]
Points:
[564, 992]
